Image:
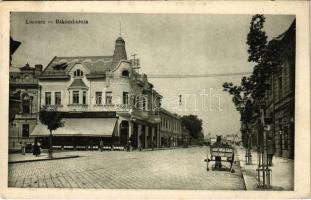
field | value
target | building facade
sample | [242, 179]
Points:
[103, 100]
[279, 101]
[25, 88]
[170, 129]
[284, 95]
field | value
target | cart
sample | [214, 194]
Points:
[220, 153]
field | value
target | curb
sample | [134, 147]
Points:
[239, 163]
[168, 148]
[45, 159]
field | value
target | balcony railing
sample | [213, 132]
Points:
[78, 107]
[114, 107]
[102, 107]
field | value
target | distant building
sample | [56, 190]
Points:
[171, 129]
[24, 87]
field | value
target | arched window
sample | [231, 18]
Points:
[78, 73]
[125, 73]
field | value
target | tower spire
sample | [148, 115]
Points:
[120, 30]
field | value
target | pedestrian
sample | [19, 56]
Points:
[35, 148]
[218, 143]
[23, 148]
[101, 144]
[270, 150]
[129, 145]
[39, 148]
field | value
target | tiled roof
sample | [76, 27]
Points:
[95, 64]
[78, 83]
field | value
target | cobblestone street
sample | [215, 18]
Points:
[166, 169]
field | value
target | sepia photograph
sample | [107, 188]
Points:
[156, 101]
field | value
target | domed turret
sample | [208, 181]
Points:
[119, 51]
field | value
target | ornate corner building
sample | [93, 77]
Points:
[103, 100]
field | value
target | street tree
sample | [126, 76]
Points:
[193, 124]
[266, 58]
[53, 120]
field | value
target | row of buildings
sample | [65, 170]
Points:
[103, 99]
[279, 100]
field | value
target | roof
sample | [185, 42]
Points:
[120, 39]
[162, 110]
[78, 83]
[95, 64]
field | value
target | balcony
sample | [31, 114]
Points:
[78, 107]
[52, 107]
[112, 107]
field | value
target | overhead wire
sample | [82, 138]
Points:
[197, 75]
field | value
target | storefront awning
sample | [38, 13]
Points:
[99, 127]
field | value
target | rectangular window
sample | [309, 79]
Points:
[75, 97]
[25, 131]
[58, 98]
[84, 98]
[48, 98]
[125, 97]
[108, 97]
[99, 96]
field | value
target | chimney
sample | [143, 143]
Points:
[38, 68]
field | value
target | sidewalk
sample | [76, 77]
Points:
[282, 172]
[28, 157]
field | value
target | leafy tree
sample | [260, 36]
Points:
[256, 39]
[266, 57]
[53, 120]
[193, 124]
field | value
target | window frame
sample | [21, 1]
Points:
[56, 102]
[48, 96]
[125, 98]
[23, 130]
[108, 99]
[98, 98]
[75, 97]
[125, 71]
[84, 97]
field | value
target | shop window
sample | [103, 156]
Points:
[58, 100]
[75, 97]
[48, 98]
[99, 96]
[108, 97]
[25, 131]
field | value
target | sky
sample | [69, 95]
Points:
[166, 44]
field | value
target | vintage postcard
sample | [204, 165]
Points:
[155, 100]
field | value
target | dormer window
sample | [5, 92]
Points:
[125, 73]
[78, 73]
